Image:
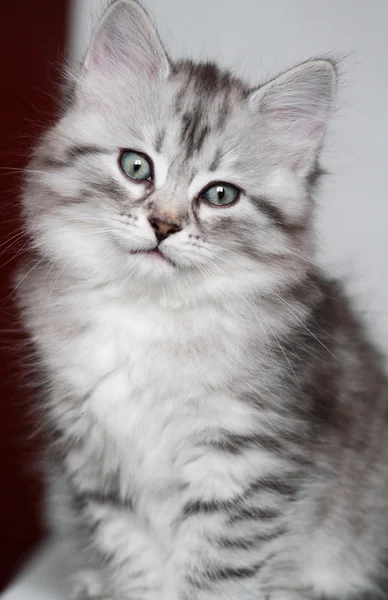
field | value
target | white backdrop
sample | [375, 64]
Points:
[257, 38]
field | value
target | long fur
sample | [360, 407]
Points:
[217, 419]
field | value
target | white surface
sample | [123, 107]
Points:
[45, 577]
[258, 38]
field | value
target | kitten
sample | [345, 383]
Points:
[217, 417]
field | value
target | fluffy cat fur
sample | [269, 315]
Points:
[217, 418]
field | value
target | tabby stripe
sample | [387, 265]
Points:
[224, 112]
[204, 580]
[315, 174]
[208, 507]
[273, 485]
[288, 447]
[72, 154]
[216, 161]
[107, 557]
[236, 543]
[198, 506]
[93, 527]
[159, 139]
[193, 133]
[102, 498]
[48, 162]
[253, 514]
[201, 138]
[237, 444]
[84, 150]
[246, 543]
[109, 188]
[274, 214]
[225, 573]
[230, 573]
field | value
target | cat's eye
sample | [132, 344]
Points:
[221, 194]
[136, 166]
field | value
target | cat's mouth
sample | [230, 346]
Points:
[155, 254]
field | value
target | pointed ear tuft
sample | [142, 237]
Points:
[126, 42]
[294, 109]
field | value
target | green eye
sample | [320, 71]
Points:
[136, 166]
[221, 194]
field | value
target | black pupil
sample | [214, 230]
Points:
[137, 164]
[220, 192]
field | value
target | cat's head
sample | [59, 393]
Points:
[178, 176]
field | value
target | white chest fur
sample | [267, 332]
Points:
[153, 381]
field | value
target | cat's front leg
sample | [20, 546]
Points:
[224, 552]
[126, 564]
[231, 528]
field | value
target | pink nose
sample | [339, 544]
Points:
[163, 228]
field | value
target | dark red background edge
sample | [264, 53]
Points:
[32, 47]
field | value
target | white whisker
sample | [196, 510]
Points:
[291, 309]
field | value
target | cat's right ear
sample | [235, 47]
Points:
[294, 109]
[127, 45]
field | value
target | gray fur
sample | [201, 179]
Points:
[216, 420]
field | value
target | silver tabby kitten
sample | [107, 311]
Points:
[218, 420]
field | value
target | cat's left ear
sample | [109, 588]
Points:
[126, 43]
[293, 112]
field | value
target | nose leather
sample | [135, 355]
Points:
[163, 228]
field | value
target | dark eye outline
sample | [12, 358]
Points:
[149, 179]
[201, 195]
